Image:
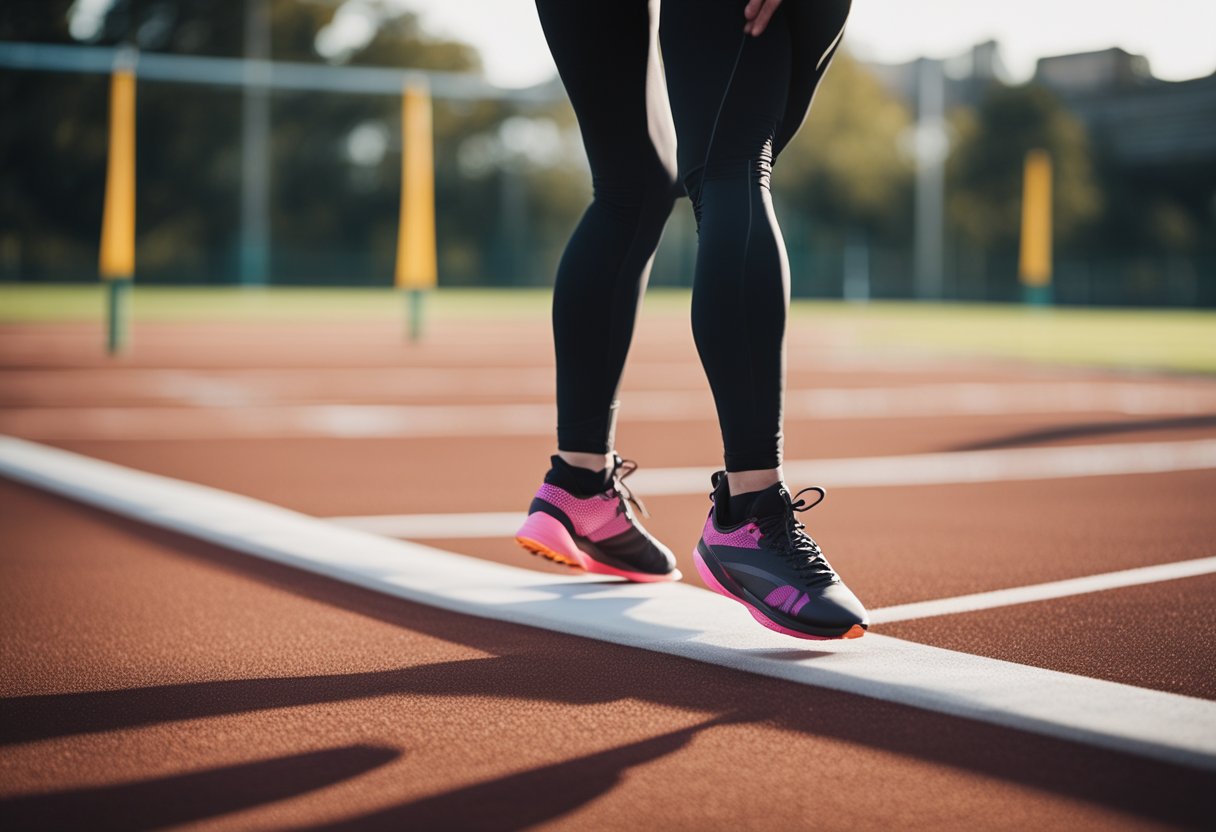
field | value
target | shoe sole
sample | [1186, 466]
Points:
[711, 580]
[545, 536]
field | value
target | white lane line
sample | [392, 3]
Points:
[237, 387]
[1002, 465]
[504, 524]
[1045, 592]
[983, 399]
[676, 619]
[436, 526]
[330, 421]
[225, 409]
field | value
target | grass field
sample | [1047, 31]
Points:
[1174, 340]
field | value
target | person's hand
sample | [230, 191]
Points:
[758, 14]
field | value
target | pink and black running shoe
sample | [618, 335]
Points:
[597, 532]
[767, 562]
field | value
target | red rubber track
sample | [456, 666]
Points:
[151, 680]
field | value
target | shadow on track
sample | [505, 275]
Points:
[525, 666]
[1088, 429]
[517, 675]
[193, 796]
[527, 798]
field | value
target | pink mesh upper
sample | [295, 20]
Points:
[595, 518]
[743, 537]
[617, 525]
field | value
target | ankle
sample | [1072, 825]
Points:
[747, 482]
[579, 480]
[592, 462]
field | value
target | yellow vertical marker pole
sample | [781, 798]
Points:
[117, 261]
[1034, 262]
[416, 257]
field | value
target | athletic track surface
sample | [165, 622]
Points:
[185, 658]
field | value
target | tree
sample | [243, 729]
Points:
[334, 213]
[51, 167]
[844, 169]
[984, 171]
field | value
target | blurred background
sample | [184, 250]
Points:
[905, 183]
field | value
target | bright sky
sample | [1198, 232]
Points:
[1176, 35]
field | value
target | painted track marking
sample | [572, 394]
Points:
[1001, 465]
[225, 409]
[504, 524]
[670, 618]
[1046, 591]
[436, 526]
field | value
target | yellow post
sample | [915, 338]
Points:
[416, 256]
[117, 261]
[1034, 263]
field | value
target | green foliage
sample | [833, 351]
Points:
[36, 21]
[985, 169]
[333, 217]
[51, 168]
[844, 169]
[511, 180]
[400, 42]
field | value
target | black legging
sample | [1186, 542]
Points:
[736, 100]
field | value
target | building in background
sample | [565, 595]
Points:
[1153, 148]
[967, 76]
[1141, 119]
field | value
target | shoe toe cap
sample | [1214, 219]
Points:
[834, 606]
[637, 552]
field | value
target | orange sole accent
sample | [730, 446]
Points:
[856, 631]
[547, 553]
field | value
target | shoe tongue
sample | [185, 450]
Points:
[773, 500]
